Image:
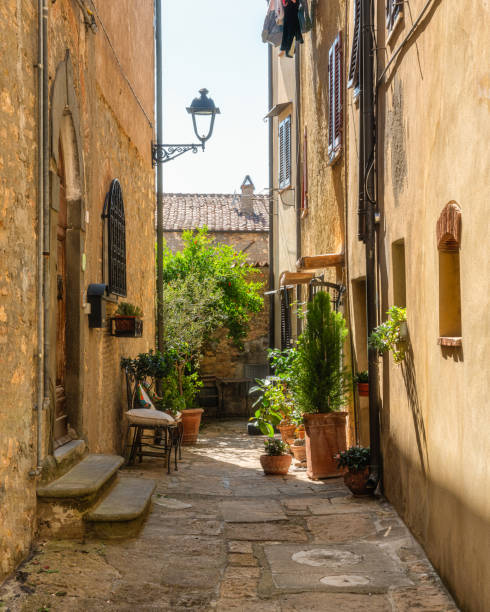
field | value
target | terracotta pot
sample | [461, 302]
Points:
[299, 452]
[363, 389]
[287, 432]
[191, 419]
[275, 464]
[326, 436]
[300, 432]
[356, 482]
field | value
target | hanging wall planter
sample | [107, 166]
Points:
[127, 322]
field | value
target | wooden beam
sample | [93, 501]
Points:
[315, 262]
[296, 278]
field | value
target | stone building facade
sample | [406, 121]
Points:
[431, 64]
[99, 68]
[240, 221]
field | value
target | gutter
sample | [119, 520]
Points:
[297, 75]
[367, 206]
[272, 313]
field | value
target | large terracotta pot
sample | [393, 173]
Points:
[326, 436]
[275, 464]
[287, 432]
[356, 482]
[191, 419]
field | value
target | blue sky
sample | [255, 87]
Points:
[216, 45]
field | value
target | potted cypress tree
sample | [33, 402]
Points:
[322, 387]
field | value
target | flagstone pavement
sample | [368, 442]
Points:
[222, 536]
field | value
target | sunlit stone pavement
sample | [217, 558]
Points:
[222, 536]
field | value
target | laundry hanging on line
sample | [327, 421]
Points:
[285, 22]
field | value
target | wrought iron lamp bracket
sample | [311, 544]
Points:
[163, 153]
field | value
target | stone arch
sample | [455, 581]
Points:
[66, 141]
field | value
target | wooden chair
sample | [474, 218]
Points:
[155, 434]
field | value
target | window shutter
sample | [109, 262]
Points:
[286, 333]
[335, 121]
[355, 51]
[116, 228]
[285, 153]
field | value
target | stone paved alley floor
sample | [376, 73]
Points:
[222, 536]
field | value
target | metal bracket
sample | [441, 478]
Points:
[161, 154]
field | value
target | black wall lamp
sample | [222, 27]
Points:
[200, 107]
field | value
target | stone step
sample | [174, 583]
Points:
[84, 480]
[123, 509]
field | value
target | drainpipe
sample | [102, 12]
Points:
[40, 241]
[368, 206]
[46, 208]
[297, 79]
[272, 322]
[159, 170]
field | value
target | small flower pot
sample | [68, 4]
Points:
[191, 420]
[363, 389]
[299, 453]
[275, 465]
[300, 432]
[127, 327]
[287, 432]
[356, 482]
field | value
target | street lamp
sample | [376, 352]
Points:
[201, 107]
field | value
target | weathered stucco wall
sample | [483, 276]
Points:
[434, 133]
[104, 135]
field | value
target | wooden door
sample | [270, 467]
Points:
[61, 419]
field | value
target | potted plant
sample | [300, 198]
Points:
[392, 334]
[127, 321]
[272, 407]
[362, 380]
[298, 448]
[322, 386]
[276, 460]
[356, 459]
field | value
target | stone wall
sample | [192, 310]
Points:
[104, 134]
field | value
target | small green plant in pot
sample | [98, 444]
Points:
[273, 405]
[362, 381]
[392, 334]
[356, 460]
[276, 460]
[322, 386]
[127, 321]
[298, 448]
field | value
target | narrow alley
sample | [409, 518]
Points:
[221, 535]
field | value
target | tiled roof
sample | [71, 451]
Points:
[220, 212]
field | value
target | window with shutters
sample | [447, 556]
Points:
[353, 79]
[116, 239]
[285, 153]
[394, 13]
[335, 113]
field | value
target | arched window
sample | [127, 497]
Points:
[448, 233]
[116, 238]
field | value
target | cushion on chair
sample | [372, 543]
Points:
[147, 416]
[142, 398]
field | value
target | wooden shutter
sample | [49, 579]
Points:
[304, 198]
[353, 80]
[335, 120]
[285, 153]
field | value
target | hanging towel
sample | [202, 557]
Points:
[272, 30]
[291, 28]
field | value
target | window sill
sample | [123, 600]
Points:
[450, 341]
[395, 28]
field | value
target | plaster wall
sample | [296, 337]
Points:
[284, 207]
[434, 130]
[99, 144]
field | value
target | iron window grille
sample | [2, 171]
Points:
[353, 78]
[285, 153]
[394, 12]
[286, 331]
[116, 230]
[336, 291]
[335, 111]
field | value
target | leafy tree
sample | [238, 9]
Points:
[220, 271]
